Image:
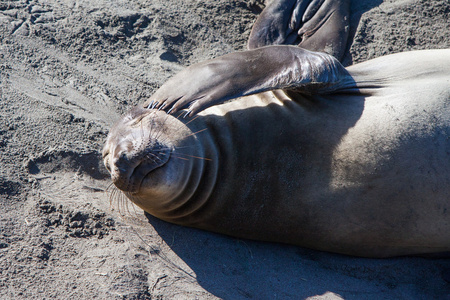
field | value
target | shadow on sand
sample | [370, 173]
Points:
[232, 268]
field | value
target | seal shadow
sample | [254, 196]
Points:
[232, 268]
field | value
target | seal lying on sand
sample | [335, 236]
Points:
[350, 160]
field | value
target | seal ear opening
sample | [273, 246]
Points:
[316, 25]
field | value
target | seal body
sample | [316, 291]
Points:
[361, 171]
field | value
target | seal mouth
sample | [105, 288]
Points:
[142, 171]
[128, 171]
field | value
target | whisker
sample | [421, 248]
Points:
[161, 127]
[142, 129]
[114, 195]
[194, 133]
[186, 156]
[108, 192]
[127, 206]
[125, 203]
[177, 148]
[151, 126]
[192, 119]
[183, 158]
[179, 115]
[135, 211]
[119, 203]
[198, 157]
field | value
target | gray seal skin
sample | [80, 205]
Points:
[349, 160]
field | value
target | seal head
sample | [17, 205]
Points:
[148, 154]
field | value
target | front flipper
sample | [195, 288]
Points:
[316, 25]
[248, 72]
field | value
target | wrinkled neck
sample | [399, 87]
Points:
[199, 178]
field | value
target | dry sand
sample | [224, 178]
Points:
[68, 69]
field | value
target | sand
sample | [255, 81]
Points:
[69, 69]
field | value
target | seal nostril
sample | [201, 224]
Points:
[123, 156]
[132, 160]
[121, 159]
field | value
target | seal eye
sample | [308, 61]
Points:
[106, 163]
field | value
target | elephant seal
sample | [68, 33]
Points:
[349, 160]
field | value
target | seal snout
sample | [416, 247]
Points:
[132, 161]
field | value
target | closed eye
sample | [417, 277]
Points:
[106, 162]
[105, 153]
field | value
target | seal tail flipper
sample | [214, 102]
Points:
[316, 25]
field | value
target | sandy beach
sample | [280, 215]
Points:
[69, 69]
